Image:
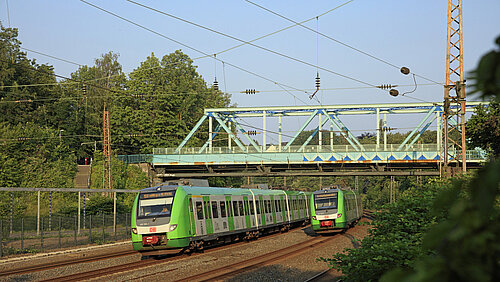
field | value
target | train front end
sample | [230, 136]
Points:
[327, 210]
[159, 220]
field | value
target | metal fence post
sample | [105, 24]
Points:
[114, 212]
[59, 232]
[76, 227]
[38, 216]
[90, 228]
[1, 237]
[11, 211]
[126, 223]
[103, 229]
[41, 234]
[50, 210]
[84, 196]
[22, 233]
[79, 200]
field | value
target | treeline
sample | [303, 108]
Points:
[49, 123]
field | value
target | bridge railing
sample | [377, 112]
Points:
[306, 149]
[136, 159]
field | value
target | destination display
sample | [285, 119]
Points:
[157, 195]
[327, 195]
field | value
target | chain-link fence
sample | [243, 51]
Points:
[24, 235]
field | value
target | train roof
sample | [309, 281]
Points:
[200, 190]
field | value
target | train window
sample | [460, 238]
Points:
[199, 210]
[257, 206]
[222, 209]
[269, 206]
[240, 205]
[245, 205]
[326, 201]
[252, 210]
[235, 208]
[215, 211]
[191, 205]
[229, 209]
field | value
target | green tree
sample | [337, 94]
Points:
[165, 100]
[483, 128]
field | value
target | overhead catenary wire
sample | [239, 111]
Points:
[130, 95]
[336, 40]
[252, 44]
[188, 46]
[50, 56]
[194, 59]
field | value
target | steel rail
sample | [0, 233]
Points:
[52, 265]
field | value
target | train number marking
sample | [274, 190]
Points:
[152, 229]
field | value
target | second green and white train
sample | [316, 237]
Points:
[334, 209]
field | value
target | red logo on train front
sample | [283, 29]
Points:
[152, 229]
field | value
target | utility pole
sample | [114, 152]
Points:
[453, 125]
[107, 176]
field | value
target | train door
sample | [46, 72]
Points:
[246, 207]
[269, 211]
[252, 213]
[236, 214]
[241, 211]
[208, 214]
[230, 218]
[262, 212]
[199, 218]
[273, 208]
[257, 211]
[283, 208]
[279, 215]
[192, 222]
[216, 216]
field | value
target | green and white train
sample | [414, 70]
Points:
[168, 218]
[334, 209]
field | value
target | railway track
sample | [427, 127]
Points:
[53, 265]
[256, 262]
[122, 267]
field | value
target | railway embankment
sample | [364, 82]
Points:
[268, 258]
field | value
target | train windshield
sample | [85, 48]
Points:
[155, 204]
[326, 201]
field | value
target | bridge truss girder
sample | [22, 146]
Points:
[230, 119]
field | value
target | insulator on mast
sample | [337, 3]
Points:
[317, 81]
[250, 91]
[386, 86]
[216, 84]
[84, 89]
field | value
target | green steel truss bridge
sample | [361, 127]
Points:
[243, 156]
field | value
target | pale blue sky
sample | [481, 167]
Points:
[404, 33]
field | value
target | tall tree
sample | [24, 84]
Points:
[165, 99]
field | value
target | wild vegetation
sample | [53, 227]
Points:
[441, 231]
[48, 126]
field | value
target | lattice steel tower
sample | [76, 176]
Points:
[107, 175]
[453, 125]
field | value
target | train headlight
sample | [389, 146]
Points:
[339, 215]
[172, 227]
[314, 217]
[134, 230]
